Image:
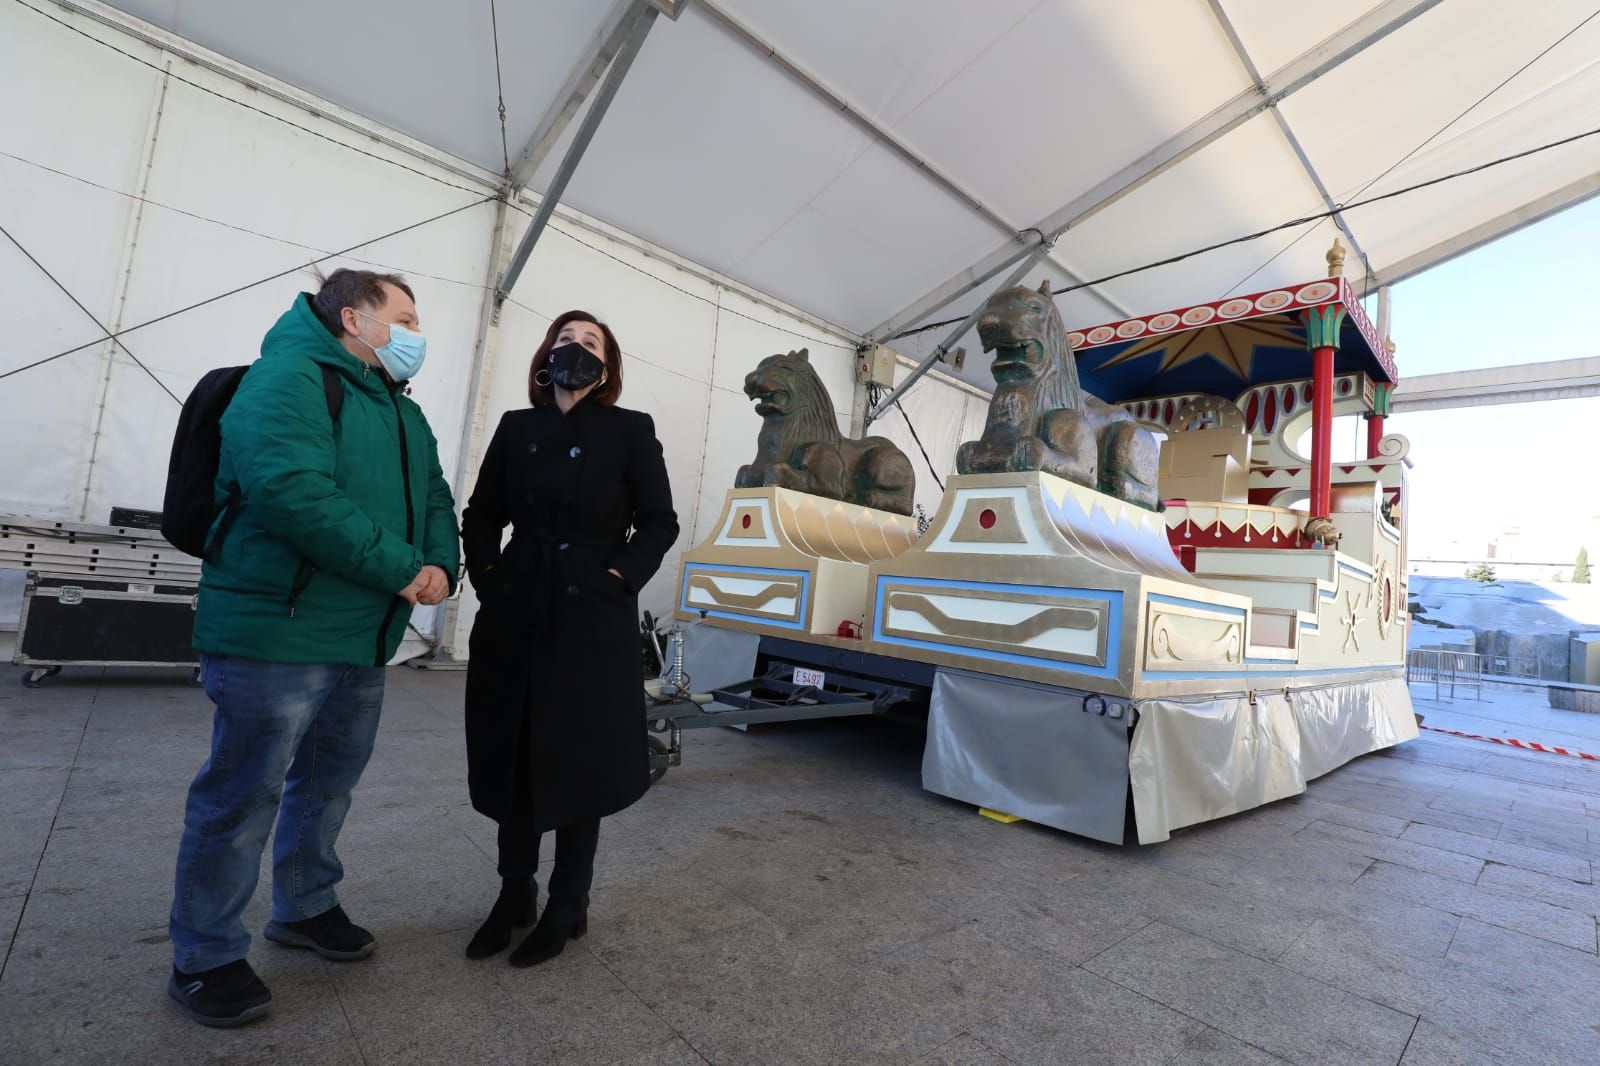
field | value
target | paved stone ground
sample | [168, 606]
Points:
[791, 895]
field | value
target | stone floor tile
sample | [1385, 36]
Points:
[29, 799]
[1266, 1006]
[1337, 813]
[1551, 774]
[408, 874]
[750, 994]
[629, 924]
[712, 937]
[1569, 838]
[1433, 1045]
[1528, 916]
[1438, 751]
[1476, 802]
[1258, 925]
[588, 1014]
[1583, 897]
[1398, 803]
[10, 915]
[1399, 851]
[1213, 1047]
[1380, 948]
[35, 745]
[1033, 1007]
[964, 1050]
[1420, 777]
[104, 999]
[1522, 994]
[1477, 825]
[1501, 851]
[674, 1052]
[424, 1002]
[1262, 861]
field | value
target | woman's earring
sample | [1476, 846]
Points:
[545, 376]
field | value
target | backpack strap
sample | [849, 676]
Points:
[333, 389]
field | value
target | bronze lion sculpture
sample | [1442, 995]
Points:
[800, 446]
[1040, 418]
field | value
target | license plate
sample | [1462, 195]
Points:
[813, 678]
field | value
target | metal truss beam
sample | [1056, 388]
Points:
[1354, 39]
[886, 137]
[1562, 379]
[635, 28]
[586, 73]
[1284, 128]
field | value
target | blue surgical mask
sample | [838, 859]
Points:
[402, 357]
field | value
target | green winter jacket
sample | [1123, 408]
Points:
[335, 519]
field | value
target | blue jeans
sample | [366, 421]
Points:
[282, 731]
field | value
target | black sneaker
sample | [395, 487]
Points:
[228, 995]
[330, 934]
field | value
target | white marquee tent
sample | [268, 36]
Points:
[769, 176]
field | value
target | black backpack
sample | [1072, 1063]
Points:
[189, 508]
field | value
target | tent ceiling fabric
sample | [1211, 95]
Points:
[714, 151]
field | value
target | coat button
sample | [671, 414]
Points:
[564, 547]
[532, 448]
[575, 452]
[572, 590]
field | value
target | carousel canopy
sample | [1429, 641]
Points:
[873, 163]
[1225, 347]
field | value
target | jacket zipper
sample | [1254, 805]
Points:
[411, 521]
[302, 578]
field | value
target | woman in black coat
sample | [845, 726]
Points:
[555, 704]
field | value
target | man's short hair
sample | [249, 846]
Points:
[353, 288]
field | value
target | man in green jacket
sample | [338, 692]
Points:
[332, 531]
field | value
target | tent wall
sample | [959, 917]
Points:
[179, 183]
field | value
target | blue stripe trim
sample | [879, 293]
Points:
[745, 571]
[1212, 608]
[1113, 625]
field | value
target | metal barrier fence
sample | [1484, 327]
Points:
[1524, 667]
[1445, 669]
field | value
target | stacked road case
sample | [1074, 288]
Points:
[99, 596]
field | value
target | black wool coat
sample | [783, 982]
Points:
[555, 649]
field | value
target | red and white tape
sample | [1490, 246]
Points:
[1528, 744]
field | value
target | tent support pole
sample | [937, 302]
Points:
[638, 23]
[124, 283]
[475, 411]
[1014, 278]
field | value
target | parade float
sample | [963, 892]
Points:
[1140, 606]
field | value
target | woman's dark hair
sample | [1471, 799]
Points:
[607, 393]
[353, 288]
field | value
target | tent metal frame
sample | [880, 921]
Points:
[1351, 41]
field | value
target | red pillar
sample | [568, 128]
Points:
[1374, 435]
[1321, 430]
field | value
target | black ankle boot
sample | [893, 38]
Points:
[514, 908]
[565, 918]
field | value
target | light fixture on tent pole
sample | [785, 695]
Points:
[942, 352]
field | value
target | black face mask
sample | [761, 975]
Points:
[574, 367]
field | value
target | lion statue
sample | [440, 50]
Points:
[1040, 418]
[800, 446]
